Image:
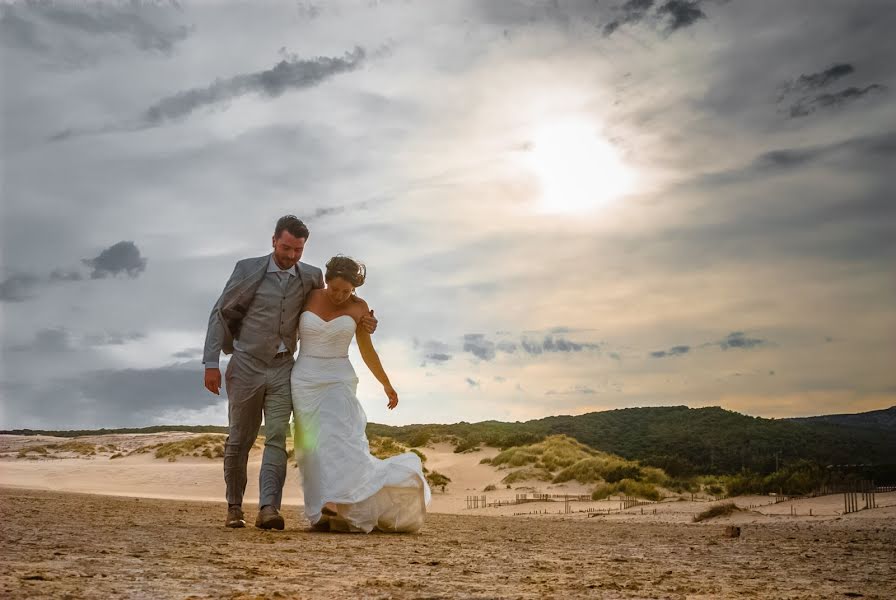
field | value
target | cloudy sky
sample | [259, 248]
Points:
[564, 206]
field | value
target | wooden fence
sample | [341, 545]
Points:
[856, 496]
[867, 491]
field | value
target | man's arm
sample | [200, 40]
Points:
[368, 322]
[214, 337]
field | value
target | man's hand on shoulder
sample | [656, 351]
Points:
[368, 322]
[213, 380]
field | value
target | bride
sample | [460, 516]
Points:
[346, 488]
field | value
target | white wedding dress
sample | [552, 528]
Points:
[331, 444]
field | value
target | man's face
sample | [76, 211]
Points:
[287, 249]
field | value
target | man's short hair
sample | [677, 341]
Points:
[293, 225]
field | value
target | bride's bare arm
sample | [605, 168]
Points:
[372, 360]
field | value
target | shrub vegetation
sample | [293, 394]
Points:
[209, 445]
[436, 479]
[528, 474]
[627, 487]
[719, 510]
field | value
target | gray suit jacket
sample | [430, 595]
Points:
[228, 312]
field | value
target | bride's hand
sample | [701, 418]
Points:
[392, 395]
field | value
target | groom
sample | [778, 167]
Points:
[257, 320]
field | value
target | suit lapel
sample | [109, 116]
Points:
[305, 280]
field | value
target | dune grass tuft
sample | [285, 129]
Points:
[209, 445]
[719, 510]
[75, 447]
[437, 479]
[24, 452]
[384, 447]
[627, 487]
[528, 474]
[552, 453]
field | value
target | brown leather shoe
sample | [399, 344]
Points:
[269, 518]
[235, 517]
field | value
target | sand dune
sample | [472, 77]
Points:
[91, 468]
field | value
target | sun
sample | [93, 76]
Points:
[577, 169]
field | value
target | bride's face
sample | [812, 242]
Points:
[339, 290]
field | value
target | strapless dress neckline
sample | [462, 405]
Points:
[322, 320]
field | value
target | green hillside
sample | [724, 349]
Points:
[876, 419]
[713, 440]
[681, 440]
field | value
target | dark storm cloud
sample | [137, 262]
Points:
[814, 81]
[632, 11]
[806, 106]
[20, 287]
[859, 226]
[738, 339]
[802, 219]
[289, 74]
[480, 347]
[506, 346]
[292, 74]
[851, 152]
[16, 31]
[551, 344]
[17, 287]
[803, 96]
[147, 390]
[338, 210]
[46, 341]
[123, 257]
[673, 351]
[434, 351]
[111, 397]
[674, 14]
[100, 19]
[681, 13]
[33, 25]
[326, 212]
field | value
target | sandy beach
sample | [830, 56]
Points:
[82, 525]
[63, 545]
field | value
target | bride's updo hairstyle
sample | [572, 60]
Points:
[346, 268]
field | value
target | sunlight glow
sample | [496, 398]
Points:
[577, 169]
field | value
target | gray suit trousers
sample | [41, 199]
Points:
[255, 389]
